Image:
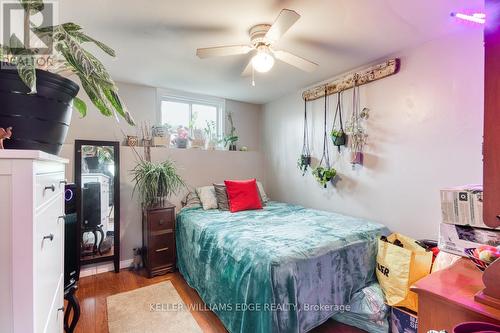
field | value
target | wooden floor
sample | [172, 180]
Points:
[93, 291]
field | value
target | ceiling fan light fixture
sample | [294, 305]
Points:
[263, 61]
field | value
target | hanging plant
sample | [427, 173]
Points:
[324, 173]
[355, 130]
[338, 134]
[304, 161]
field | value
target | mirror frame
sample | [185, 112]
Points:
[116, 200]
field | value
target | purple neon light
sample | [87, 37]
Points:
[476, 17]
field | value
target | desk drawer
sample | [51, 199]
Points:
[161, 220]
[161, 251]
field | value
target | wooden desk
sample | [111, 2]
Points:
[446, 298]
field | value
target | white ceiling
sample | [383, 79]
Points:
[156, 40]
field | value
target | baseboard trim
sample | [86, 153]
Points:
[93, 269]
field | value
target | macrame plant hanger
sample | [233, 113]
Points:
[305, 158]
[338, 135]
[358, 136]
[324, 174]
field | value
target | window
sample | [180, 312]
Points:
[191, 112]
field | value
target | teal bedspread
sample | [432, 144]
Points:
[281, 269]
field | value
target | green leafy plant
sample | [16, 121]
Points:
[338, 137]
[324, 175]
[70, 57]
[156, 181]
[103, 153]
[303, 163]
[232, 137]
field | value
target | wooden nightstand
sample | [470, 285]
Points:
[158, 239]
[446, 298]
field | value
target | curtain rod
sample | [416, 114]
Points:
[373, 73]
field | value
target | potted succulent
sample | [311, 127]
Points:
[324, 175]
[36, 101]
[155, 182]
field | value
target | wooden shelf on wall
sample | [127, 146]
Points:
[358, 78]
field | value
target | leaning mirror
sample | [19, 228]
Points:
[97, 175]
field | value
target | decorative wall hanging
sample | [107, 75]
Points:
[304, 161]
[337, 134]
[355, 130]
[323, 172]
[373, 73]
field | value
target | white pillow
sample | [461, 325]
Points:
[207, 197]
[263, 195]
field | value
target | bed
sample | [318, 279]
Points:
[281, 269]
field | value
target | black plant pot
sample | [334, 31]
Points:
[41, 121]
[92, 163]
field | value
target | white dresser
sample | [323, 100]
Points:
[31, 242]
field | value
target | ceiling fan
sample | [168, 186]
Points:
[262, 37]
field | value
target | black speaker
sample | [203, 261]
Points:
[71, 238]
[91, 197]
[70, 199]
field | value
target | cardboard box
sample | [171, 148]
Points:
[403, 321]
[456, 238]
[463, 205]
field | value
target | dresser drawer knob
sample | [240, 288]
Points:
[162, 249]
[49, 237]
[61, 309]
[64, 181]
[161, 221]
[51, 187]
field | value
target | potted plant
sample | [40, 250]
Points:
[36, 101]
[338, 137]
[303, 163]
[324, 175]
[182, 138]
[210, 135]
[155, 182]
[96, 155]
[231, 139]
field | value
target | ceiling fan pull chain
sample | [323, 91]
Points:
[253, 77]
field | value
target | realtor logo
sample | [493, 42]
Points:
[22, 24]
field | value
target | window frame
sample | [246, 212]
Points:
[190, 99]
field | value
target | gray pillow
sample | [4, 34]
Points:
[221, 195]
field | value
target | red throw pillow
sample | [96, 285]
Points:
[242, 195]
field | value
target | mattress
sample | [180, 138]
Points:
[284, 268]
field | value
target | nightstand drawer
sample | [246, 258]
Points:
[161, 251]
[161, 220]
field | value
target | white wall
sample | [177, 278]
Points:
[425, 133]
[197, 167]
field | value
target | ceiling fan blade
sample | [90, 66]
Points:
[248, 69]
[296, 61]
[285, 20]
[222, 51]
